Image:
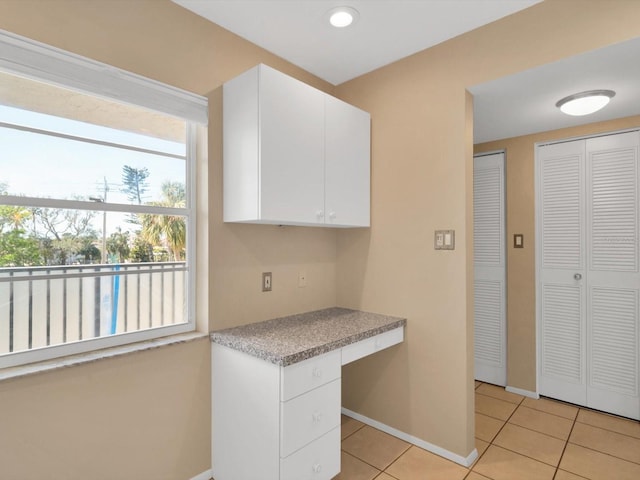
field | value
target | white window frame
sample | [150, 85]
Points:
[27, 58]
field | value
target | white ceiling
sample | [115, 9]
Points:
[525, 102]
[388, 30]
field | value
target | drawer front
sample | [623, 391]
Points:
[309, 374]
[360, 349]
[320, 460]
[309, 416]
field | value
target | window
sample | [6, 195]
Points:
[97, 205]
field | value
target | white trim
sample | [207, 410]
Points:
[44, 202]
[454, 457]
[585, 137]
[491, 152]
[520, 391]
[38, 61]
[206, 475]
[95, 355]
[190, 201]
[92, 141]
[95, 345]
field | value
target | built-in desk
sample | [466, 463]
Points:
[276, 391]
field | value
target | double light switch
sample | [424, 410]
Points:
[445, 240]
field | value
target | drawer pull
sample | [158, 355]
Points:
[317, 372]
[317, 468]
[317, 417]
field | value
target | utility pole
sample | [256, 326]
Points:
[104, 219]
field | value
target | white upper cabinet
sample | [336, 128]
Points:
[347, 164]
[293, 155]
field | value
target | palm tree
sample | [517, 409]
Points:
[170, 230]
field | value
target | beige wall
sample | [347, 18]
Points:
[421, 171]
[420, 182]
[520, 189]
[147, 415]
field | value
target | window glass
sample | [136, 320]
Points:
[94, 217]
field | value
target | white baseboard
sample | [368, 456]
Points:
[520, 391]
[208, 475]
[454, 457]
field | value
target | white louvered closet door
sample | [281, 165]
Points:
[613, 337]
[588, 280]
[560, 255]
[489, 269]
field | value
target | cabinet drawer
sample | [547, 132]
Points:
[360, 349]
[309, 374]
[309, 416]
[320, 460]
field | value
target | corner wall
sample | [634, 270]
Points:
[421, 157]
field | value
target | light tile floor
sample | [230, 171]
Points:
[517, 438]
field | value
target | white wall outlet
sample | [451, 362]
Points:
[266, 281]
[302, 279]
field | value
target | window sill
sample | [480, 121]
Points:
[84, 358]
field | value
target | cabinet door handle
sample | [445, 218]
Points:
[577, 276]
[332, 215]
[320, 214]
[317, 468]
[317, 372]
[317, 417]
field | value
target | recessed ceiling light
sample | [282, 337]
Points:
[584, 103]
[341, 17]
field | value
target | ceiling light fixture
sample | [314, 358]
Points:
[341, 17]
[585, 103]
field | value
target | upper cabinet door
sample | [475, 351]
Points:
[293, 155]
[347, 164]
[292, 149]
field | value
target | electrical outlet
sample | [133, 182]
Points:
[266, 281]
[302, 279]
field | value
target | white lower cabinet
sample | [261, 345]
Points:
[281, 423]
[361, 349]
[309, 416]
[320, 459]
[274, 423]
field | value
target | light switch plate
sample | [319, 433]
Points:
[518, 240]
[444, 240]
[266, 281]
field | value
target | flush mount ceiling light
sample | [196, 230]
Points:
[341, 17]
[584, 103]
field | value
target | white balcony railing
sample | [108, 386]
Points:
[54, 305]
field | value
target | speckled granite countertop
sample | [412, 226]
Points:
[288, 340]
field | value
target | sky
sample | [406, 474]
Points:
[39, 165]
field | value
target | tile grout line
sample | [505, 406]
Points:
[606, 429]
[603, 453]
[556, 467]
[471, 468]
[356, 430]
[361, 460]
[396, 459]
[564, 449]
[554, 414]
[384, 470]
[541, 433]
